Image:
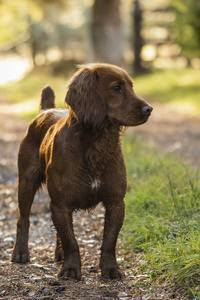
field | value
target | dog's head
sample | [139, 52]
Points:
[100, 91]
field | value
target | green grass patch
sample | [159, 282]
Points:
[177, 86]
[27, 91]
[163, 215]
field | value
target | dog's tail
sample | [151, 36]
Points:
[47, 98]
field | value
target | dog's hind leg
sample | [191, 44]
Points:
[28, 182]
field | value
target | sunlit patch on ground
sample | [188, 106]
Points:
[13, 67]
[19, 108]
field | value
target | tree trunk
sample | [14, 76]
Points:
[138, 42]
[106, 32]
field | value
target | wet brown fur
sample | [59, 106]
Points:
[79, 158]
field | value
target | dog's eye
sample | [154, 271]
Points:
[117, 89]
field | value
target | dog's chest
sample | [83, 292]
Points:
[94, 190]
[96, 158]
[95, 185]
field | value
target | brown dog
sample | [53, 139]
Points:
[77, 153]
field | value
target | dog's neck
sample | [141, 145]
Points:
[98, 144]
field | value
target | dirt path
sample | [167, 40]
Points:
[174, 132]
[37, 280]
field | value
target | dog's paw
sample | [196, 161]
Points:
[110, 269]
[70, 272]
[20, 254]
[112, 273]
[71, 267]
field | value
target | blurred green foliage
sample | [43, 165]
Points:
[176, 86]
[186, 27]
[16, 16]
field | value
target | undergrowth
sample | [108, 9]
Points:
[162, 216]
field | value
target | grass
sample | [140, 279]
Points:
[27, 91]
[162, 216]
[180, 87]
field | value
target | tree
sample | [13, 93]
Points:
[138, 42]
[106, 31]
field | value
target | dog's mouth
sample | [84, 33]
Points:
[145, 119]
[133, 119]
[140, 122]
[134, 122]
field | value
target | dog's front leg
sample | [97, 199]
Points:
[58, 254]
[113, 222]
[62, 219]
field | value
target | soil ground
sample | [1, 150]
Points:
[168, 130]
[172, 131]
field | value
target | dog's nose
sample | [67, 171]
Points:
[147, 109]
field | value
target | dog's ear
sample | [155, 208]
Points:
[85, 99]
